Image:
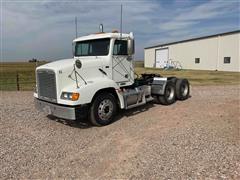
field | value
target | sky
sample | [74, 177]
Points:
[44, 29]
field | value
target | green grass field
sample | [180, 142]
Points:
[26, 72]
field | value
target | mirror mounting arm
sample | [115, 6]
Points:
[78, 64]
[75, 73]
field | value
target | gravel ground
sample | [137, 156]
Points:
[194, 139]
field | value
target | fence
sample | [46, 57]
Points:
[17, 81]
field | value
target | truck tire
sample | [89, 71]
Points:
[169, 94]
[182, 89]
[103, 109]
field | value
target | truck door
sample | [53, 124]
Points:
[123, 72]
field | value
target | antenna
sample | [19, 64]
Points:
[76, 26]
[121, 23]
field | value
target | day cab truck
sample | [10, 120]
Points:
[99, 80]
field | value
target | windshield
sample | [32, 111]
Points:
[96, 47]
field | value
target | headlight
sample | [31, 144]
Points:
[70, 96]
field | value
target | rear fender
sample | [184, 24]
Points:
[158, 85]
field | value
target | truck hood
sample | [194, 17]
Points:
[67, 80]
[64, 70]
[68, 63]
[58, 65]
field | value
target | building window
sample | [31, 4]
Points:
[227, 60]
[197, 60]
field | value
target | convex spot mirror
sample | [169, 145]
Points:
[78, 64]
[131, 47]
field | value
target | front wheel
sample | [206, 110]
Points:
[103, 109]
[169, 94]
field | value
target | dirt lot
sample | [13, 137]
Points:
[197, 138]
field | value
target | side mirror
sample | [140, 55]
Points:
[131, 47]
[78, 64]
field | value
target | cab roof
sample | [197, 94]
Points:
[101, 36]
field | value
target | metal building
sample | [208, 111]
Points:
[216, 52]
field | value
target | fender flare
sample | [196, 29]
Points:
[101, 84]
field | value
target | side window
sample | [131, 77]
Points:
[197, 60]
[227, 60]
[120, 47]
[83, 49]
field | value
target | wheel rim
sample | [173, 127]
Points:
[184, 90]
[169, 93]
[105, 109]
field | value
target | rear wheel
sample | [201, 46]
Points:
[169, 94]
[182, 89]
[103, 109]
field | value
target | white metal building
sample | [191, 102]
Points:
[216, 52]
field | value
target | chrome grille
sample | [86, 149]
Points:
[46, 83]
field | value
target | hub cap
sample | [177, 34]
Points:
[105, 109]
[184, 90]
[169, 93]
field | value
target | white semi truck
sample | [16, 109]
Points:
[99, 80]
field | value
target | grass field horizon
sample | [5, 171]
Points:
[26, 75]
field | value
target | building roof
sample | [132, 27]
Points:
[193, 39]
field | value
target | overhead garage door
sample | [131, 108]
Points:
[161, 57]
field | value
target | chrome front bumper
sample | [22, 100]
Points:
[61, 111]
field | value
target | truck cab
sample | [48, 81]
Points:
[100, 79]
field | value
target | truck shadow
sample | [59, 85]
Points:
[85, 124]
[82, 124]
[134, 111]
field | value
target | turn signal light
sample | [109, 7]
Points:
[75, 96]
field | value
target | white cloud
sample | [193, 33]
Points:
[30, 29]
[187, 17]
[208, 10]
[173, 25]
[45, 29]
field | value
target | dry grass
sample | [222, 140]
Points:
[26, 71]
[197, 77]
